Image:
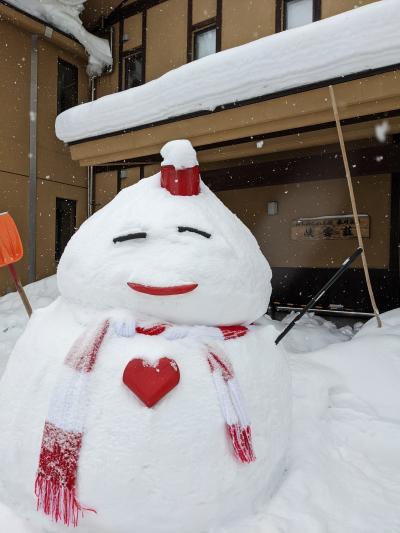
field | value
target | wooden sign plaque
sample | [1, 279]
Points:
[330, 227]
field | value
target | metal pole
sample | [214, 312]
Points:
[33, 160]
[90, 191]
[90, 177]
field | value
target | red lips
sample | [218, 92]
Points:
[163, 291]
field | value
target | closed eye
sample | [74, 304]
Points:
[130, 236]
[181, 229]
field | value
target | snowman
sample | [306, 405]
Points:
[150, 396]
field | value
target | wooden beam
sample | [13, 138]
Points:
[130, 10]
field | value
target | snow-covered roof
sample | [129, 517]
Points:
[64, 15]
[352, 42]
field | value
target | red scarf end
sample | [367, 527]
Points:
[242, 443]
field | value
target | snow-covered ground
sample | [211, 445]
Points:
[344, 471]
[13, 317]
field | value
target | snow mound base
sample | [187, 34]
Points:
[162, 470]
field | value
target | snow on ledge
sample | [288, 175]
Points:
[64, 15]
[364, 38]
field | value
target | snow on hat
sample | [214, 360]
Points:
[180, 173]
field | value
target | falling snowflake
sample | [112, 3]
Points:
[381, 131]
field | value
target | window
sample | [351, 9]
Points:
[298, 13]
[65, 224]
[205, 42]
[134, 69]
[67, 90]
[294, 13]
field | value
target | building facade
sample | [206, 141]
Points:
[279, 151]
[42, 74]
[274, 160]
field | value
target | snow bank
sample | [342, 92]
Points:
[313, 332]
[13, 317]
[361, 39]
[344, 470]
[64, 15]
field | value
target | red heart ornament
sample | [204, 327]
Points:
[150, 382]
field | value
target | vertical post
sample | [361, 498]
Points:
[90, 179]
[33, 159]
[354, 205]
[90, 172]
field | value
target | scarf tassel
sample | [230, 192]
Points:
[242, 443]
[58, 501]
[232, 407]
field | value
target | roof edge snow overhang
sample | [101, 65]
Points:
[31, 24]
[367, 93]
[240, 103]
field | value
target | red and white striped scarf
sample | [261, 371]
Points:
[56, 479]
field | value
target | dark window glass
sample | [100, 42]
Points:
[298, 13]
[67, 94]
[133, 66]
[65, 224]
[205, 42]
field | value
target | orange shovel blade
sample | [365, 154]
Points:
[11, 249]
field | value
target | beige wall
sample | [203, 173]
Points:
[150, 170]
[334, 7]
[132, 178]
[244, 21]
[203, 10]
[166, 37]
[47, 193]
[53, 157]
[108, 83]
[14, 199]
[15, 49]
[133, 30]
[309, 199]
[57, 174]
[106, 185]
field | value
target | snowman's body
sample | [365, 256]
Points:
[168, 469]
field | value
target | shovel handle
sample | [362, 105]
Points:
[20, 289]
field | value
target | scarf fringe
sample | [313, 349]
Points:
[232, 407]
[58, 501]
[242, 443]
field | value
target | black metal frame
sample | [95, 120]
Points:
[75, 69]
[126, 55]
[123, 53]
[57, 251]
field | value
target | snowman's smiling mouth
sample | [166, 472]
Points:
[163, 291]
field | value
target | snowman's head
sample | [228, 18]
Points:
[168, 248]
